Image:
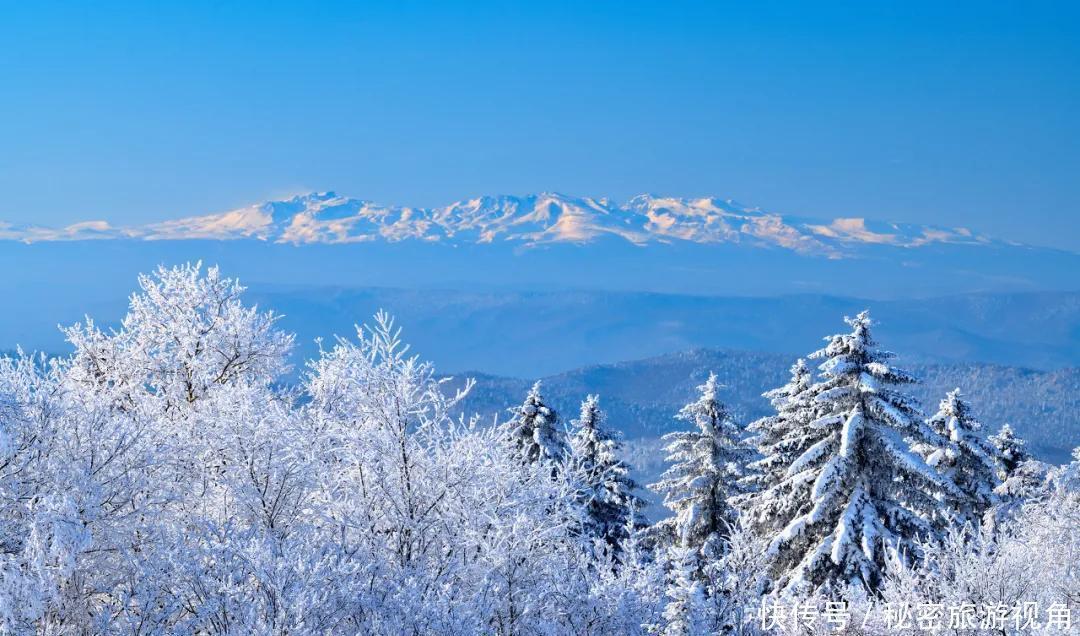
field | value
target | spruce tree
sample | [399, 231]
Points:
[606, 490]
[964, 457]
[774, 496]
[860, 497]
[684, 613]
[707, 466]
[534, 431]
[1021, 476]
[1009, 452]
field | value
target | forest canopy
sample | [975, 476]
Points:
[162, 477]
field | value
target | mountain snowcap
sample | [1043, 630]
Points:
[326, 217]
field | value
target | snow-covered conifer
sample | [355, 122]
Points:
[1022, 478]
[1009, 451]
[965, 458]
[684, 614]
[607, 492]
[864, 495]
[774, 497]
[707, 466]
[534, 431]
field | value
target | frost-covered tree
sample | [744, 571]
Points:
[1009, 451]
[965, 458]
[605, 489]
[534, 431]
[442, 531]
[132, 462]
[774, 496]
[384, 414]
[1031, 561]
[869, 495]
[735, 583]
[685, 612]
[630, 590]
[43, 532]
[1022, 479]
[185, 333]
[707, 465]
[162, 478]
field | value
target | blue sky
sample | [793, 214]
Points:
[965, 114]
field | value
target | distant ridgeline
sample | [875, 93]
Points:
[543, 241]
[641, 397]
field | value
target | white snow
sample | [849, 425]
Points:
[326, 217]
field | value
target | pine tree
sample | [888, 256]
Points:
[964, 458]
[707, 466]
[1021, 476]
[685, 609]
[1009, 451]
[606, 491]
[869, 497]
[781, 438]
[534, 432]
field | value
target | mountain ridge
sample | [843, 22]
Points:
[642, 396]
[531, 220]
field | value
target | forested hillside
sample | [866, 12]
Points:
[642, 396]
[167, 477]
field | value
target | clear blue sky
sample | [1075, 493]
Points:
[946, 112]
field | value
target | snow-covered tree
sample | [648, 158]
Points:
[1031, 561]
[1021, 477]
[441, 530]
[774, 496]
[735, 583]
[606, 490]
[684, 614]
[629, 591]
[534, 431]
[185, 333]
[965, 459]
[133, 459]
[707, 465]
[864, 496]
[162, 478]
[1009, 451]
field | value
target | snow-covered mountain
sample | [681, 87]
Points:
[328, 218]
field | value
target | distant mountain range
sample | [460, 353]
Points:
[704, 246]
[537, 286]
[642, 396]
[326, 217]
[530, 334]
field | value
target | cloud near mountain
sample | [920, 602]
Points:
[328, 218]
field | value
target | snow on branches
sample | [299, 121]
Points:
[844, 494]
[707, 466]
[170, 477]
[607, 492]
[534, 430]
[965, 458]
